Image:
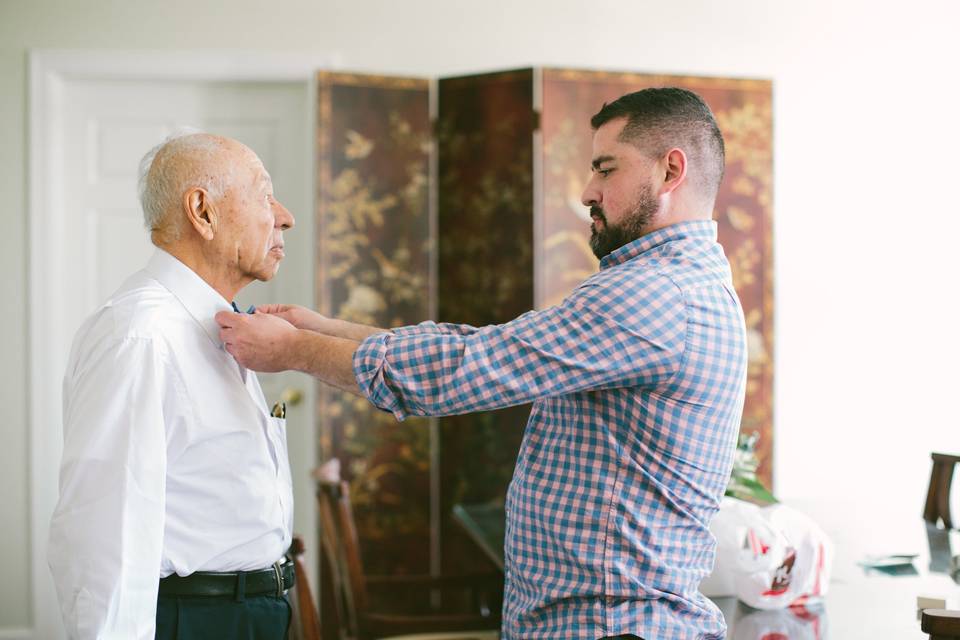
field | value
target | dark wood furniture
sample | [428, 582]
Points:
[304, 623]
[346, 591]
[938, 495]
[485, 524]
[941, 624]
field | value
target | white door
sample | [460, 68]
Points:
[107, 126]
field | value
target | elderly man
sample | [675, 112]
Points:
[637, 381]
[176, 504]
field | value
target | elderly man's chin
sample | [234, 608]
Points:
[268, 268]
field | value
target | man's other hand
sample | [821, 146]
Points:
[261, 341]
[300, 317]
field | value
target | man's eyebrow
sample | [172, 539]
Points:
[600, 160]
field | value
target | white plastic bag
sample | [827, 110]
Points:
[769, 557]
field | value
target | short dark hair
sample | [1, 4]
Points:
[661, 118]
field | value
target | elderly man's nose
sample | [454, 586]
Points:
[283, 218]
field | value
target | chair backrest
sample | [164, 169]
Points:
[344, 600]
[347, 597]
[304, 624]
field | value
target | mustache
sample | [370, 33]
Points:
[598, 212]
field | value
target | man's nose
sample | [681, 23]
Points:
[282, 217]
[590, 195]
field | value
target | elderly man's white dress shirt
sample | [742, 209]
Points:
[171, 460]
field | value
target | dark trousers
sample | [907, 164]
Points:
[222, 618]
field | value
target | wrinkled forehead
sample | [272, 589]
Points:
[248, 164]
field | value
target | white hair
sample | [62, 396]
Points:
[161, 182]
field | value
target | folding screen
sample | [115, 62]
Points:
[374, 263]
[485, 270]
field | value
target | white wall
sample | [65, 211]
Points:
[867, 222]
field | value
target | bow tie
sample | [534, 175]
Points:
[252, 308]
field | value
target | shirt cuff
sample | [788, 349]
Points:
[368, 363]
[427, 326]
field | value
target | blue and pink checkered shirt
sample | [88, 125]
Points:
[637, 381]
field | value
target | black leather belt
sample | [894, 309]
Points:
[272, 581]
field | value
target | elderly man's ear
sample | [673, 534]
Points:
[201, 212]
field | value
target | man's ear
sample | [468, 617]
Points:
[200, 212]
[674, 165]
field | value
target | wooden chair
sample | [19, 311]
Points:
[345, 600]
[304, 623]
[938, 494]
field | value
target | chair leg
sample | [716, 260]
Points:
[937, 506]
[943, 497]
[930, 508]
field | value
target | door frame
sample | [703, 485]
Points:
[48, 71]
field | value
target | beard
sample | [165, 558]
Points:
[611, 237]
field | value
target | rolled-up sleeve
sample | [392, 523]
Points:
[368, 361]
[582, 344]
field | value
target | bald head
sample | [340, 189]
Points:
[182, 162]
[209, 202]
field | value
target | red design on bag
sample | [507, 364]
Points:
[783, 575]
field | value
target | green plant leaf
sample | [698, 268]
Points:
[749, 489]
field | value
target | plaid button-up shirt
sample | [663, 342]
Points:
[637, 381]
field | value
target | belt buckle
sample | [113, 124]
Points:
[278, 572]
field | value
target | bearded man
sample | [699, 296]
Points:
[637, 382]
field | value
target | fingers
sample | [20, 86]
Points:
[226, 318]
[270, 308]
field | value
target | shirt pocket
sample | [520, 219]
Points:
[274, 432]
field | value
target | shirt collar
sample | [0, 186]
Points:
[699, 229]
[199, 299]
